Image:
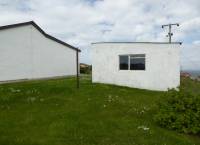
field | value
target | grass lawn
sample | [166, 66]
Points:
[54, 112]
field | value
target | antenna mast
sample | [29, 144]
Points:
[170, 34]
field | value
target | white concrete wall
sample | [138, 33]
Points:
[162, 65]
[25, 53]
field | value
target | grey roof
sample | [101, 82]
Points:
[41, 31]
[141, 42]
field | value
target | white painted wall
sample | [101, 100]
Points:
[162, 65]
[25, 53]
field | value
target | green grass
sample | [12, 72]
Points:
[54, 112]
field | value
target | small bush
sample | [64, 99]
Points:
[179, 111]
[85, 70]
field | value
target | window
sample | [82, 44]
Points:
[132, 62]
[123, 60]
[137, 62]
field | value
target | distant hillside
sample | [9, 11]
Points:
[193, 73]
[84, 65]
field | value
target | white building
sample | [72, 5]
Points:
[146, 65]
[27, 52]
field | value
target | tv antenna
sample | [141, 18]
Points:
[170, 34]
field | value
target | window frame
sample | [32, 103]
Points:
[141, 55]
[128, 62]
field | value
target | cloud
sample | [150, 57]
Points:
[196, 42]
[81, 22]
[190, 57]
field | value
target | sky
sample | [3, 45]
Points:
[82, 22]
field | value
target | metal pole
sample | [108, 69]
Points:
[170, 33]
[77, 69]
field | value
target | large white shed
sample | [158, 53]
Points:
[27, 52]
[146, 65]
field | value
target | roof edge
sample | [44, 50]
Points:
[180, 43]
[41, 31]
